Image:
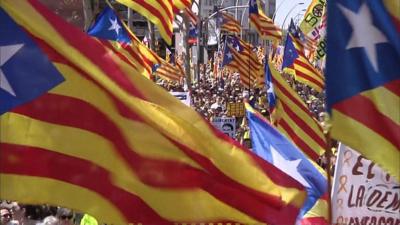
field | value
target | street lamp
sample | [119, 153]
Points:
[277, 9]
[287, 15]
[298, 16]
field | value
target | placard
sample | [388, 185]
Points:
[362, 192]
[225, 124]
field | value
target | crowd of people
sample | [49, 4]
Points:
[12, 213]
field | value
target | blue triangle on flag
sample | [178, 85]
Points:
[25, 71]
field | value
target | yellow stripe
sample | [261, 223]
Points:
[142, 68]
[248, 174]
[154, 19]
[59, 193]
[299, 131]
[310, 121]
[393, 6]
[320, 209]
[53, 137]
[147, 142]
[366, 141]
[386, 102]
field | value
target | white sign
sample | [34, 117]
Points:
[225, 124]
[183, 96]
[362, 192]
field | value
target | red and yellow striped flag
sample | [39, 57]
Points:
[295, 120]
[303, 70]
[264, 25]
[228, 23]
[159, 12]
[363, 91]
[117, 146]
[239, 56]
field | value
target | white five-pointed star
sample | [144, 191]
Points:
[289, 167]
[114, 26]
[6, 52]
[365, 34]
[229, 55]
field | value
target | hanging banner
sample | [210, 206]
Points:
[225, 124]
[362, 192]
[183, 96]
[313, 19]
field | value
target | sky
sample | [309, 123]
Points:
[284, 7]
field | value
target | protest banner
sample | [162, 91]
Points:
[225, 124]
[362, 192]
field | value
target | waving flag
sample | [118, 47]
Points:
[159, 12]
[270, 88]
[295, 120]
[272, 146]
[108, 26]
[113, 34]
[20, 84]
[239, 55]
[227, 23]
[264, 25]
[122, 149]
[295, 59]
[363, 80]
[128, 47]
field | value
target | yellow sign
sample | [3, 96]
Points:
[313, 16]
[235, 109]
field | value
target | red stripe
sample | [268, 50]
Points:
[314, 221]
[393, 86]
[88, 47]
[140, 58]
[177, 174]
[309, 78]
[243, 62]
[43, 163]
[261, 206]
[174, 174]
[309, 67]
[266, 30]
[396, 22]
[363, 110]
[297, 102]
[155, 12]
[303, 125]
[118, 53]
[298, 140]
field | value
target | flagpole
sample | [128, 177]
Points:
[248, 40]
[328, 155]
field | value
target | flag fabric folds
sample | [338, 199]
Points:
[227, 23]
[294, 119]
[272, 146]
[159, 12]
[363, 80]
[264, 25]
[303, 70]
[120, 148]
[128, 47]
[239, 56]
[35, 77]
[270, 88]
[108, 26]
